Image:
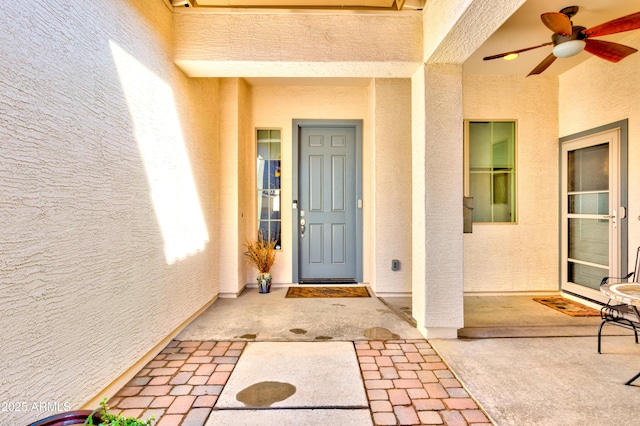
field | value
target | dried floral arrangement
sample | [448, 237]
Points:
[261, 253]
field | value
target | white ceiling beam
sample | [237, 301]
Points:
[454, 29]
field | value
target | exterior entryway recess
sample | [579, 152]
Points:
[327, 201]
[593, 209]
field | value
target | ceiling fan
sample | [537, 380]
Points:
[569, 40]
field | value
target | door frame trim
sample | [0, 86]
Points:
[623, 166]
[298, 124]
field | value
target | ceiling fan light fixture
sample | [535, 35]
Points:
[511, 56]
[568, 48]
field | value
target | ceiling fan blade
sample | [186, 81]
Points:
[608, 50]
[620, 25]
[502, 55]
[543, 65]
[557, 22]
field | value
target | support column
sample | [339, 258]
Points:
[233, 182]
[437, 172]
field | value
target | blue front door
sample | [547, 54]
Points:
[327, 204]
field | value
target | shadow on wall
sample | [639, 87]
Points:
[161, 144]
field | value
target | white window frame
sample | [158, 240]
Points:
[272, 191]
[467, 171]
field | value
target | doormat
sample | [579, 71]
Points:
[567, 306]
[299, 292]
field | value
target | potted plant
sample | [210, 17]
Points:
[261, 254]
[92, 418]
[109, 419]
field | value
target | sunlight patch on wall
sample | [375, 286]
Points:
[160, 141]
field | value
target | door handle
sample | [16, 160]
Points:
[612, 217]
[302, 224]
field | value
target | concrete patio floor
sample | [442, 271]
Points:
[518, 363]
[527, 364]
[273, 317]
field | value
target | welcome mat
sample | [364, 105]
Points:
[297, 292]
[567, 306]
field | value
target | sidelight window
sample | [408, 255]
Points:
[268, 182]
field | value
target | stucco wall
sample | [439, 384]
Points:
[91, 274]
[521, 256]
[598, 92]
[391, 104]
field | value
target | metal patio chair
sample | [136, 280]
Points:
[623, 315]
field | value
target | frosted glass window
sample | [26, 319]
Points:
[268, 184]
[491, 147]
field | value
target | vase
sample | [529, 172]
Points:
[78, 417]
[264, 282]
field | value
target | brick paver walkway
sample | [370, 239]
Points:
[406, 383]
[181, 384]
